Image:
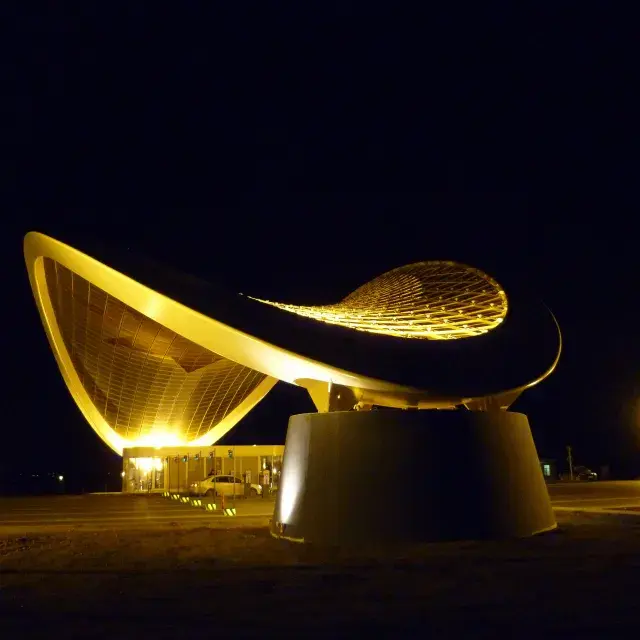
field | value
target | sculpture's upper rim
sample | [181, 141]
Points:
[520, 351]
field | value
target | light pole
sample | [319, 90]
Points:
[570, 461]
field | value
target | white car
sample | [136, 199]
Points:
[223, 486]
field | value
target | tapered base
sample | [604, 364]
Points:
[375, 476]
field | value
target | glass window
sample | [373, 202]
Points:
[546, 469]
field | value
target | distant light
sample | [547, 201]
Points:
[60, 478]
[122, 474]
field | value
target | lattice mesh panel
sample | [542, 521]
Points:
[141, 376]
[426, 300]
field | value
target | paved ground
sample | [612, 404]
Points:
[92, 512]
[116, 511]
[117, 566]
[596, 495]
[580, 581]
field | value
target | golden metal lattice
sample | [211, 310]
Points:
[146, 381]
[425, 300]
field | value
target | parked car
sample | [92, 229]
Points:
[223, 486]
[584, 474]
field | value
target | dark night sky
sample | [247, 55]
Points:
[295, 156]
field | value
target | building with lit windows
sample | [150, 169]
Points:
[426, 357]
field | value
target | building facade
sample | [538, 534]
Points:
[176, 469]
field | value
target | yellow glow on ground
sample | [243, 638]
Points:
[425, 300]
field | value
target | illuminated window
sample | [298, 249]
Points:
[546, 469]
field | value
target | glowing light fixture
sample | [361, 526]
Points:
[144, 464]
[424, 300]
[160, 437]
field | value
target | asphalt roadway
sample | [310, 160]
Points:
[94, 512]
[591, 496]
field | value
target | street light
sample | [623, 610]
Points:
[60, 478]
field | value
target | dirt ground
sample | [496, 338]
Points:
[583, 579]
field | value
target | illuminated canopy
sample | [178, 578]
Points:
[427, 300]
[151, 361]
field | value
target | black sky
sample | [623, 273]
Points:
[294, 156]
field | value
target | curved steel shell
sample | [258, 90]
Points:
[154, 359]
[426, 301]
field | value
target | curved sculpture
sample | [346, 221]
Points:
[164, 363]
[154, 358]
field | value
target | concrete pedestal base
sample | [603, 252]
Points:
[371, 476]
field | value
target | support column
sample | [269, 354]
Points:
[368, 476]
[328, 396]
